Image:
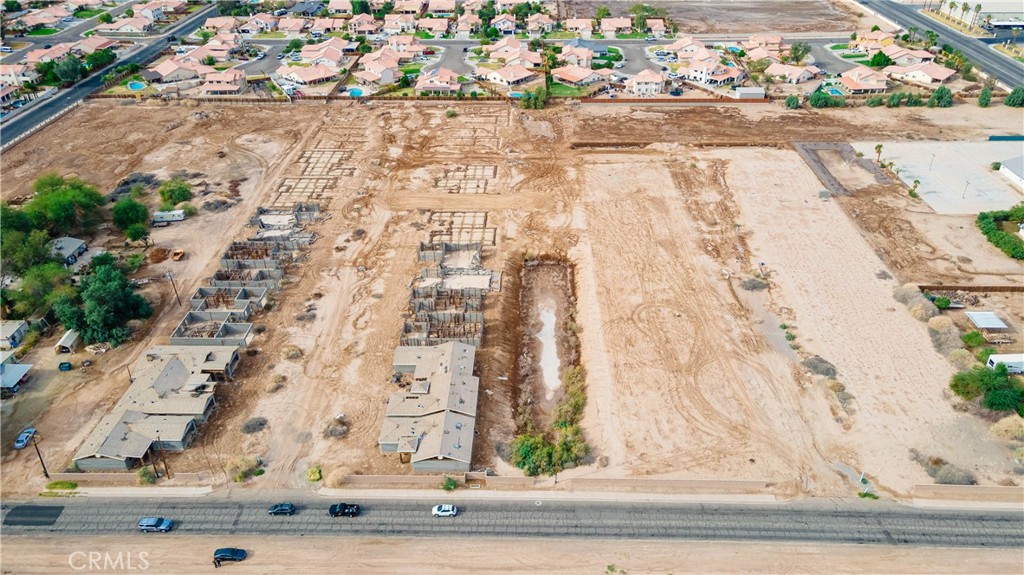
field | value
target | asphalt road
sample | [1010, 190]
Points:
[984, 57]
[870, 523]
[28, 119]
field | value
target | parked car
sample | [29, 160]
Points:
[444, 511]
[261, 55]
[150, 524]
[429, 52]
[280, 56]
[229, 554]
[343, 509]
[68, 19]
[281, 509]
[6, 49]
[47, 46]
[22, 441]
[65, 366]
[650, 39]
[618, 65]
[296, 57]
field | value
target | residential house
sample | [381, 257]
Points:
[872, 41]
[582, 26]
[339, 6]
[305, 9]
[170, 6]
[175, 70]
[921, 73]
[133, 25]
[792, 74]
[151, 11]
[511, 75]
[68, 343]
[539, 23]
[405, 46]
[12, 375]
[574, 75]
[504, 23]
[435, 26]
[259, 24]
[322, 26]
[646, 83]
[614, 26]
[57, 11]
[439, 81]
[93, 44]
[34, 20]
[656, 27]
[502, 5]
[7, 94]
[473, 6]
[441, 8]
[596, 48]
[330, 52]
[901, 56]
[468, 23]
[582, 57]
[363, 24]
[512, 51]
[685, 46]
[380, 67]
[399, 23]
[12, 333]
[410, 7]
[56, 52]
[17, 74]
[217, 361]
[292, 27]
[68, 249]
[76, 5]
[863, 80]
[711, 73]
[221, 24]
[309, 75]
[228, 82]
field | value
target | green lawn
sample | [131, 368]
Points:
[463, 80]
[270, 35]
[411, 69]
[424, 35]
[560, 35]
[613, 50]
[557, 89]
[221, 67]
[42, 32]
[840, 46]
[89, 33]
[83, 14]
[855, 56]
[522, 36]
[597, 35]
[631, 36]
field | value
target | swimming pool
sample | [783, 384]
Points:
[136, 86]
[515, 95]
[834, 91]
[734, 49]
[355, 92]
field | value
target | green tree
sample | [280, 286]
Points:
[205, 36]
[792, 102]
[100, 58]
[942, 97]
[127, 212]
[931, 37]
[69, 69]
[880, 60]
[209, 60]
[173, 192]
[41, 285]
[21, 251]
[295, 45]
[12, 6]
[878, 153]
[129, 13]
[360, 7]
[1016, 98]
[798, 51]
[365, 48]
[985, 98]
[105, 18]
[64, 205]
[603, 12]
[13, 219]
[108, 304]
[823, 100]
[137, 232]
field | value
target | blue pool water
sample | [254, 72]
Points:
[835, 91]
[515, 94]
[734, 49]
[355, 92]
[136, 86]
[730, 64]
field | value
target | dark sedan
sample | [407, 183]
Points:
[229, 554]
[282, 509]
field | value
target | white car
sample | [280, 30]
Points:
[444, 511]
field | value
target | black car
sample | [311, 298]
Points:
[229, 554]
[343, 509]
[281, 509]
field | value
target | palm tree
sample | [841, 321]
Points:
[1015, 32]
[963, 11]
[941, 4]
[878, 152]
[932, 37]
[913, 31]
[916, 184]
[977, 12]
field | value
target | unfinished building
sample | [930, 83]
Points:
[213, 328]
[211, 298]
[432, 423]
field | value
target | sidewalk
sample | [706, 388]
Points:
[553, 496]
[141, 492]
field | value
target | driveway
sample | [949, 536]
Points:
[827, 59]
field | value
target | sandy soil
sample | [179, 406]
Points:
[690, 375]
[188, 554]
[709, 16]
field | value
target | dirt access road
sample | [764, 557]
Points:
[186, 555]
[690, 375]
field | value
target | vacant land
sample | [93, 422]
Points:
[692, 348]
[737, 16]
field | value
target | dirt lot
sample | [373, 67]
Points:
[737, 16]
[690, 375]
[188, 554]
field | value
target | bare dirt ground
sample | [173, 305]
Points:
[190, 554]
[737, 16]
[689, 374]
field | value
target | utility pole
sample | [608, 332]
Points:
[130, 378]
[46, 473]
[964, 195]
[163, 458]
[170, 276]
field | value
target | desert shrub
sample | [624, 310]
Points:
[259, 471]
[449, 483]
[1001, 393]
[985, 98]
[314, 474]
[753, 284]
[984, 353]
[280, 378]
[792, 102]
[950, 474]
[931, 465]
[895, 99]
[823, 100]
[173, 192]
[922, 309]
[145, 476]
[335, 479]
[134, 261]
[531, 453]
[254, 425]
[241, 468]
[450, 113]
[942, 97]
[961, 359]
[189, 209]
[291, 352]
[66, 485]
[944, 333]
[1009, 428]
[820, 366]
[874, 101]
[336, 430]
[906, 293]
[1006, 398]
[570, 407]
[973, 339]
[942, 302]
[274, 387]
[1010, 244]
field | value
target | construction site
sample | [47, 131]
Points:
[374, 246]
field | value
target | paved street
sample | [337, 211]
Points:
[984, 57]
[871, 522]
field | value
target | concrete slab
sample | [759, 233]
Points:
[959, 179]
